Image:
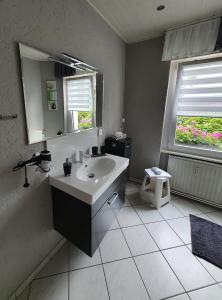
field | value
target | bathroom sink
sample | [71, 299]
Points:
[95, 169]
[89, 179]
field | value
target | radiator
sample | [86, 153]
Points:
[196, 179]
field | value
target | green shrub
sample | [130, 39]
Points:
[199, 130]
[85, 119]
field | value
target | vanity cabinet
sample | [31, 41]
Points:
[83, 224]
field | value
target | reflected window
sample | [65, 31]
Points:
[80, 101]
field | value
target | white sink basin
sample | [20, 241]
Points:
[89, 179]
[96, 169]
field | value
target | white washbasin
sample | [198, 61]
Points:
[96, 169]
[79, 184]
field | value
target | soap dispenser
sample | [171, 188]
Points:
[67, 166]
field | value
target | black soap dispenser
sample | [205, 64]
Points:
[67, 167]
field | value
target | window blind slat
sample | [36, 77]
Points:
[80, 94]
[202, 81]
[199, 90]
[207, 71]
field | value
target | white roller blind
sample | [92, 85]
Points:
[192, 40]
[199, 90]
[80, 94]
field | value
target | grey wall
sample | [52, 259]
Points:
[72, 26]
[145, 94]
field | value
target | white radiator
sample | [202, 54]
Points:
[196, 179]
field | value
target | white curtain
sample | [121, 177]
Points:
[192, 40]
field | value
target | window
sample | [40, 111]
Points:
[80, 96]
[193, 114]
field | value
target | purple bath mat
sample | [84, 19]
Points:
[206, 239]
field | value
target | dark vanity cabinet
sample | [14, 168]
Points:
[85, 225]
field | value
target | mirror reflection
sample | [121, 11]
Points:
[62, 95]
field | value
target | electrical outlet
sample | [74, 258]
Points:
[100, 131]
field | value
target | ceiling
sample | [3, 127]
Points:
[138, 20]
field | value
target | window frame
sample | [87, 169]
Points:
[65, 80]
[168, 144]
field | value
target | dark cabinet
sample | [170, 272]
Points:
[121, 147]
[85, 225]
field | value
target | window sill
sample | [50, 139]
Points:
[191, 156]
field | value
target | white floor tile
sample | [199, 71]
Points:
[87, 284]
[205, 208]
[50, 288]
[216, 217]
[24, 294]
[148, 214]
[132, 187]
[214, 271]
[57, 264]
[158, 277]
[128, 217]
[205, 216]
[139, 240]
[124, 282]
[127, 202]
[180, 297]
[185, 206]
[135, 199]
[213, 292]
[115, 225]
[182, 227]
[187, 268]
[78, 259]
[114, 246]
[169, 211]
[164, 235]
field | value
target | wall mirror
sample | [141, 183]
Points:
[62, 95]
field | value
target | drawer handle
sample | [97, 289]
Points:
[111, 200]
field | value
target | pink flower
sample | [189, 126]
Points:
[204, 134]
[182, 128]
[216, 135]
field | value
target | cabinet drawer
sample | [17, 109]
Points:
[120, 181]
[105, 217]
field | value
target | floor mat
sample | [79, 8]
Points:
[206, 239]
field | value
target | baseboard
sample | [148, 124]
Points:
[133, 179]
[34, 273]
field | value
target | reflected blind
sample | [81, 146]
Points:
[199, 90]
[80, 94]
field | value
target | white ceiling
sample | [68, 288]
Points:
[138, 20]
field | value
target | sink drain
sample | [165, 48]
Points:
[91, 175]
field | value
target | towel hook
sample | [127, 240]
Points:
[8, 117]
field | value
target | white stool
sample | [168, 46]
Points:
[156, 188]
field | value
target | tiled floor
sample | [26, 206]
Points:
[145, 255]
